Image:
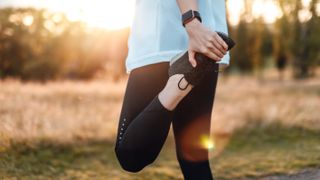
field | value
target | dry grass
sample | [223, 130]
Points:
[78, 110]
[242, 101]
[70, 112]
[62, 111]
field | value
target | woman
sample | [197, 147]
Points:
[153, 99]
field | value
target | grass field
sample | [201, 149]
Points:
[66, 130]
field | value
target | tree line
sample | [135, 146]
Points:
[39, 45]
[36, 44]
[287, 41]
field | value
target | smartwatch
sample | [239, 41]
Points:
[189, 16]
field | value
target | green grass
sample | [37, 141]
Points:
[263, 151]
[256, 152]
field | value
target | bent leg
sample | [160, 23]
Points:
[144, 123]
[191, 127]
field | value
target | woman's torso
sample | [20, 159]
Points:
[157, 27]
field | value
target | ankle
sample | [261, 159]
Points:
[171, 95]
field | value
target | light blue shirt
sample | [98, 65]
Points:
[157, 35]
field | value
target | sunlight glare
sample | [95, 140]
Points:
[108, 14]
[306, 3]
[267, 9]
[318, 8]
[27, 20]
[304, 14]
[206, 142]
[235, 8]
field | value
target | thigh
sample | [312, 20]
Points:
[192, 120]
[144, 83]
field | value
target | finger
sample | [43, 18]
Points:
[192, 59]
[219, 43]
[213, 49]
[222, 42]
[211, 55]
[219, 46]
[216, 51]
[210, 44]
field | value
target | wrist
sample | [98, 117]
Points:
[192, 25]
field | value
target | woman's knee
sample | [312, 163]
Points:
[132, 160]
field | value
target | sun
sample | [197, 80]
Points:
[108, 14]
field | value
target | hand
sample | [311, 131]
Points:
[205, 41]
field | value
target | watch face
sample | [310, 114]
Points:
[187, 15]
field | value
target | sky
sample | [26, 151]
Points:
[34, 3]
[117, 14]
[99, 13]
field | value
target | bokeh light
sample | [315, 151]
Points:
[207, 142]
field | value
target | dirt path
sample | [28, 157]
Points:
[307, 174]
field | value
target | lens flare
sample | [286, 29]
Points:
[207, 142]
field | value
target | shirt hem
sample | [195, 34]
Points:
[151, 59]
[162, 57]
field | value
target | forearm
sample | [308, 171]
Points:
[185, 5]
[201, 38]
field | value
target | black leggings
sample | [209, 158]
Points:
[144, 123]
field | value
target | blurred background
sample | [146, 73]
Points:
[62, 81]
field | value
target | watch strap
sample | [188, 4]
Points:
[189, 16]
